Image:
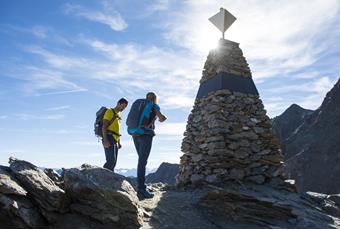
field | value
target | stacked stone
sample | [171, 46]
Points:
[228, 57]
[228, 134]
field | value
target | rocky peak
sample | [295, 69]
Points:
[285, 124]
[312, 150]
[332, 99]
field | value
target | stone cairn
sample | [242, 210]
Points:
[228, 134]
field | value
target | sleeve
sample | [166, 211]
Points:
[156, 107]
[108, 115]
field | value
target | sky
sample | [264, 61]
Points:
[60, 61]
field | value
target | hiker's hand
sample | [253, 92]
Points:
[119, 146]
[162, 118]
[106, 144]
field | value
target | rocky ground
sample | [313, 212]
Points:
[93, 197]
[238, 206]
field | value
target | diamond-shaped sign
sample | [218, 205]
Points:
[223, 20]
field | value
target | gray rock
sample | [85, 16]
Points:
[258, 179]
[103, 196]
[237, 174]
[9, 185]
[335, 198]
[44, 191]
[19, 212]
[196, 178]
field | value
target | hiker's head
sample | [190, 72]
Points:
[152, 97]
[121, 104]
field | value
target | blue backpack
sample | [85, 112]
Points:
[141, 117]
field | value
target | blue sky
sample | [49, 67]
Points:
[62, 60]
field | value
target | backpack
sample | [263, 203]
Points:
[139, 117]
[98, 124]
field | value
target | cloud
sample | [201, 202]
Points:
[171, 129]
[25, 116]
[57, 60]
[108, 16]
[156, 6]
[40, 31]
[2, 117]
[313, 91]
[275, 38]
[58, 108]
[38, 80]
[172, 74]
[87, 143]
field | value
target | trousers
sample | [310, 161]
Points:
[143, 145]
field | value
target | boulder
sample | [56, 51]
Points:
[19, 212]
[44, 191]
[8, 184]
[103, 196]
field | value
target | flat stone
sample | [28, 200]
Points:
[237, 174]
[258, 179]
[195, 178]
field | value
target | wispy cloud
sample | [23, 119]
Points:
[172, 73]
[40, 31]
[3, 117]
[25, 116]
[106, 16]
[57, 60]
[156, 6]
[58, 108]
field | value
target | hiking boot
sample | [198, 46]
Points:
[144, 195]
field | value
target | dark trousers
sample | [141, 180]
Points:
[111, 154]
[143, 145]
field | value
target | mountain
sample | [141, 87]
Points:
[166, 173]
[285, 124]
[312, 151]
[132, 172]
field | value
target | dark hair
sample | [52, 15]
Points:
[123, 101]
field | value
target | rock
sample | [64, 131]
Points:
[19, 212]
[335, 198]
[9, 185]
[197, 158]
[258, 206]
[196, 178]
[103, 196]
[44, 191]
[236, 174]
[258, 179]
[212, 179]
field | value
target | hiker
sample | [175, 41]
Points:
[111, 134]
[141, 125]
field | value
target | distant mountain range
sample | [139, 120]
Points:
[133, 171]
[311, 144]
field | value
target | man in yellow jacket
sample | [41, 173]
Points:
[111, 133]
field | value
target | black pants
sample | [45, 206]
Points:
[111, 154]
[143, 145]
